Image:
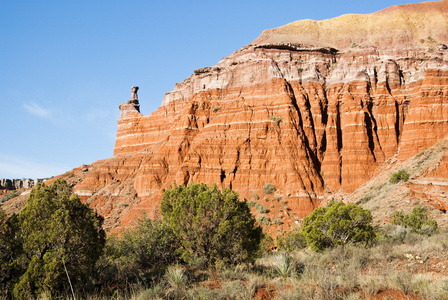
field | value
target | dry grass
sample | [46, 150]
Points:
[412, 264]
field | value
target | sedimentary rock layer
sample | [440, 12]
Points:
[312, 107]
[15, 184]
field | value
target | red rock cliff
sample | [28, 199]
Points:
[311, 107]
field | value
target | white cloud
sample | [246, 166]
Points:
[36, 110]
[13, 167]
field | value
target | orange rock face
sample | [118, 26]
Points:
[310, 119]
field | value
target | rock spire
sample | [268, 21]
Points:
[131, 107]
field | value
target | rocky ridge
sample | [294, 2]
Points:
[15, 184]
[316, 108]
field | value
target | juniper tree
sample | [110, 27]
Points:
[338, 224]
[9, 247]
[57, 232]
[213, 225]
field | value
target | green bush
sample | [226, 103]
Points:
[255, 196]
[268, 188]
[250, 203]
[3, 220]
[55, 232]
[418, 221]
[7, 254]
[291, 241]
[266, 244]
[149, 245]
[216, 108]
[401, 175]
[261, 208]
[262, 219]
[338, 224]
[277, 120]
[211, 224]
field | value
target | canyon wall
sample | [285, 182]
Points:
[313, 107]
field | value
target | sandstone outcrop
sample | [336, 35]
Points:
[313, 107]
[16, 184]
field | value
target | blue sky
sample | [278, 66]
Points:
[65, 66]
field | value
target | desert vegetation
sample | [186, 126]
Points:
[401, 175]
[338, 224]
[417, 221]
[8, 196]
[207, 245]
[277, 120]
[53, 236]
[210, 225]
[268, 188]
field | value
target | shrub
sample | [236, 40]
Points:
[418, 221]
[277, 120]
[366, 198]
[7, 255]
[291, 241]
[268, 188]
[56, 232]
[404, 282]
[149, 244]
[176, 282]
[216, 108]
[250, 203]
[277, 221]
[261, 208]
[113, 268]
[262, 219]
[3, 219]
[211, 224]
[255, 196]
[283, 266]
[266, 245]
[235, 290]
[338, 224]
[401, 175]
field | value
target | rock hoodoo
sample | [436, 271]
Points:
[313, 107]
[132, 106]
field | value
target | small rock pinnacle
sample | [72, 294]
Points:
[134, 93]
